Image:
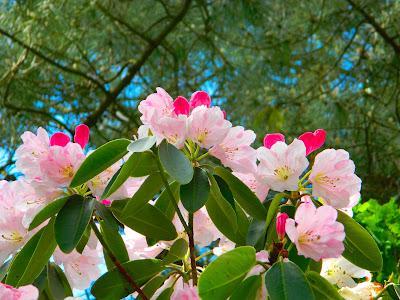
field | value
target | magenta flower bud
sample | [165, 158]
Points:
[181, 106]
[271, 138]
[280, 224]
[313, 140]
[106, 202]
[200, 98]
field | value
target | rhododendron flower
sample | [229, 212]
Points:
[315, 232]
[254, 183]
[80, 269]
[207, 126]
[333, 178]
[362, 291]
[172, 129]
[281, 166]
[136, 245]
[200, 98]
[181, 106]
[261, 256]
[156, 106]
[235, 151]
[28, 292]
[341, 272]
[313, 140]
[271, 138]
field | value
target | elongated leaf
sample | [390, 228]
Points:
[243, 226]
[149, 188]
[248, 289]
[285, 281]
[195, 194]
[110, 184]
[149, 221]
[166, 294]
[272, 210]
[114, 242]
[223, 275]
[242, 194]
[102, 158]
[142, 144]
[112, 285]
[72, 221]
[48, 211]
[221, 212]
[321, 287]
[164, 202]
[256, 234]
[152, 286]
[106, 215]
[33, 257]
[175, 163]
[84, 240]
[146, 164]
[57, 282]
[178, 251]
[360, 247]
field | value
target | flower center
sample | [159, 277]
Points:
[13, 236]
[330, 181]
[68, 171]
[283, 172]
[309, 237]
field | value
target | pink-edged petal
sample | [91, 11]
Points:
[313, 140]
[181, 106]
[81, 136]
[271, 138]
[59, 139]
[200, 98]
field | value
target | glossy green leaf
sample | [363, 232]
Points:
[149, 221]
[256, 234]
[360, 248]
[301, 261]
[106, 215]
[71, 222]
[175, 163]
[223, 275]
[102, 158]
[84, 240]
[33, 257]
[142, 144]
[321, 287]
[177, 251]
[273, 209]
[152, 286]
[164, 202]
[242, 194]
[243, 225]
[110, 184]
[248, 289]
[146, 192]
[113, 285]
[286, 281]
[393, 290]
[195, 194]
[114, 241]
[57, 282]
[221, 212]
[166, 294]
[145, 164]
[48, 211]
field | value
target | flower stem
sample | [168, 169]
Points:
[115, 261]
[192, 250]
[202, 156]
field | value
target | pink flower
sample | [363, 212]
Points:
[172, 129]
[235, 151]
[313, 140]
[271, 138]
[315, 232]
[184, 291]
[181, 106]
[28, 292]
[200, 98]
[136, 245]
[280, 224]
[259, 188]
[155, 106]
[80, 269]
[207, 126]
[281, 166]
[333, 178]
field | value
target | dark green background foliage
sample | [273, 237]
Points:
[286, 66]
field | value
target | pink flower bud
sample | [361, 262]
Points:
[271, 138]
[59, 139]
[81, 136]
[181, 106]
[200, 98]
[106, 202]
[280, 224]
[313, 140]
[224, 112]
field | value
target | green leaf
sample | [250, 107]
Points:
[243, 225]
[33, 257]
[114, 242]
[175, 163]
[142, 144]
[84, 240]
[256, 234]
[48, 211]
[57, 282]
[152, 286]
[102, 158]
[4, 269]
[145, 164]
[106, 215]
[166, 294]
[393, 290]
[223, 275]
[112, 285]
[285, 281]
[164, 202]
[71, 222]
[272, 210]
[146, 192]
[248, 289]
[360, 247]
[149, 221]
[110, 184]
[302, 262]
[195, 194]
[221, 212]
[178, 251]
[243, 195]
[321, 287]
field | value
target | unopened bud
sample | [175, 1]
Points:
[280, 224]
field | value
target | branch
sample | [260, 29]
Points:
[133, 69]
[379, 29]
